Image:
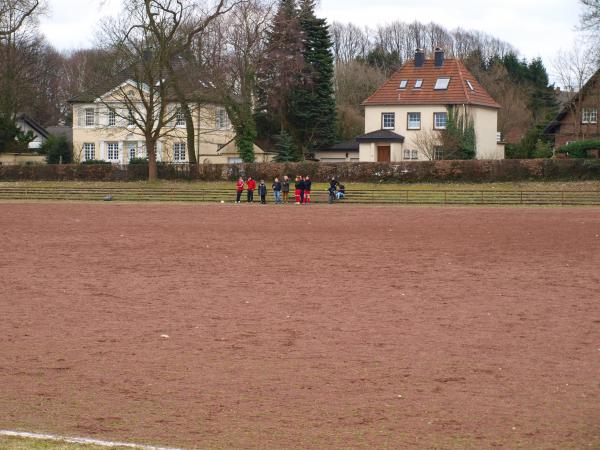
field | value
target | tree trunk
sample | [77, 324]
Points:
[152, 167]
[191, 134]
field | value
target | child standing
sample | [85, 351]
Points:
[239, 189]
[262, 191]
[277, 190]
[307, 186]
[299, 189]
[251, 186]
[285, 188]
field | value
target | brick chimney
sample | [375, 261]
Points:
[439, 57]
[419, 57]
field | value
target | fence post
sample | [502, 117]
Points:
[521, 197]
[445, 197]
[406, 200]
[482, 197]
[562, 198]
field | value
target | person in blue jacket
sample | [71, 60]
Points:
[262, 191]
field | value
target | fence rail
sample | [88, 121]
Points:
[396, 196]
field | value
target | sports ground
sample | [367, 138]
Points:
[324, 326]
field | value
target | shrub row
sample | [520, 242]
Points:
[426, 171]
[579, 149]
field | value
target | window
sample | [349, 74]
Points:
[418, 84]
[388, 121]
[403, 84]
[411, 154]
[113, 151]
[589, 115]
[414, 121]
[179, 152]
[89, 151]
[89, 117]
[441, 84]
[222, 121]
[132, 151]
[440, 120]
[179, 118]
[438, 153]
[112, 117]
[234, 160]
[470, 85]
[130, 119]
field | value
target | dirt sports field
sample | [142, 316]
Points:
[302, 327]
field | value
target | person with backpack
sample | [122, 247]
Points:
[239, 186]
[251, 186]
[276, 186]
[262, 191]
[307, 186]
[285, 188]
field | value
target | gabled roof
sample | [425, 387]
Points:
[551, 127]
[458, 92]
[380, 135]
[40, 130]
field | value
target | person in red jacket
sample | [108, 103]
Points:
[251, 186]
[307, 186]
[239, 186]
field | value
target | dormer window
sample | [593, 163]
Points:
[470, 86]
[403, 84]
[418, 84]
[442, 84]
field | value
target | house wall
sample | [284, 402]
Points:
[337, 156]
[16, 159]
[485, 120]
[209, 138]
[571, 128]
[38, 141]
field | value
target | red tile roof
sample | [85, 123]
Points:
[458, 92]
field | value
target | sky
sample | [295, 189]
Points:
[537, 28]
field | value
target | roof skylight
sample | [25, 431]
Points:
[403, 84]
[418, 84]
[441, 84]
[470, 85]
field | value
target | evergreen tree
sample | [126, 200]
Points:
[313, 114]
[285, 147]
[279, 77]
[458, 139]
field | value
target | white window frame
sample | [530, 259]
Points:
[406, 153]
[221, 119]
[414, 154]
[589, 115]
[112, 151]
[179, 118]
[112, 117]
[418, 84]
[179, 154]
[438, 153]
[390, 118]
[89, 151]
[131, 149]
[89, 117]
[409, 122]
[436, 115]
[442, 84]
[403, 84]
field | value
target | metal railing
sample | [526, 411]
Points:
[374, 196]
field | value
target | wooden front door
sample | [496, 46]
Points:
[384, 153]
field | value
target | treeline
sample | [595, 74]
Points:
[289, 81]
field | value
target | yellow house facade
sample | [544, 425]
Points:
[104, 129]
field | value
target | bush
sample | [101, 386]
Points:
[95, 161]
[138, 160]
[542, 150]
[515, 151]
[57, 150]
[579, 149]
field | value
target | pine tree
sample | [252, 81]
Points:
[313, 114]
[285, 147]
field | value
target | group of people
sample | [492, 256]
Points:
[281, 189]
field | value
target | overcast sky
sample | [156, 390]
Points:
[535, 27]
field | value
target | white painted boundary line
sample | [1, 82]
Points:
[79, 440]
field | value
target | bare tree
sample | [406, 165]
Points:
[429, 143]
[15, 13]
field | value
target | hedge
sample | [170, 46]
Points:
[426, 171]
[579, 149]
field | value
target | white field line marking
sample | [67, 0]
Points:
[79, 440]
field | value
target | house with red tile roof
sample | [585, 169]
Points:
[412, 106]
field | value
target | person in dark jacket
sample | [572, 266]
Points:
[251, 186]
[277, 190]
[299, 189]
[307, 186]
[239, 189]
[285, 188]
[332, 189]
[262, 191]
